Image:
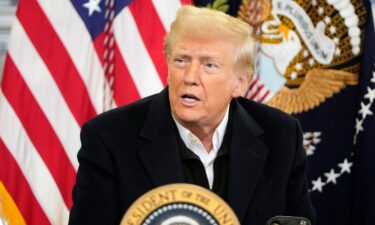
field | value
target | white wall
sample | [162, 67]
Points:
[7, 13]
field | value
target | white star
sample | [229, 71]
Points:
[308, 135]
[327, 19]
[316, 138]
[310, 150]
[370, 94]
[309, 140]
[332, 29]
[92, 6]
[336, 40]
[311, 62]
[314, 3]
[331, 176]
[373, 77]
[358, 125]
[345, 166]
[298, 66]
[320, 10]
[337, 52]
[365, 110]
[318, 184]
[293, 75]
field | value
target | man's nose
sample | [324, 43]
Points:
[192, 74]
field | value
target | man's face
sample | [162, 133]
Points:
[202, 80]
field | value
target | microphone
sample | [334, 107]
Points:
[288, 220]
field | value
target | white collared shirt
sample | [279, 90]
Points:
[194, 144]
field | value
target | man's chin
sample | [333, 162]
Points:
[187, 118]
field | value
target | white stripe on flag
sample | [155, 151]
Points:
[260, 94]
[268, 97]
[32, 166]
[45, 91]
[254, 88]
[135, 54]
[73, 33]
[167, 12]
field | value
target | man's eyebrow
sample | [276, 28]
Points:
[181, 54]
[208, 57]
[203, 56]
[217, 59]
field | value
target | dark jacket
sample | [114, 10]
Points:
[133, 149]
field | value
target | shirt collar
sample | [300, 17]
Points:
[191, 141]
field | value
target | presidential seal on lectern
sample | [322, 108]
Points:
[180, 204]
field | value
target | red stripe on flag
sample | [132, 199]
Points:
[251, 86]
[125, 90]
[38, 129]
[264, 96]
[19, 189]
[259, 88]
[57, 59]
[152, 32]
[99, 47]
[253, 83]
[187, 2]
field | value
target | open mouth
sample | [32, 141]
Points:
[190, 98]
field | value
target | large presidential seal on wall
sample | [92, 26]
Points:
[180, 204]
[308, 50]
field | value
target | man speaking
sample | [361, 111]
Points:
[198, 130]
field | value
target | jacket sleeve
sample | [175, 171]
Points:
[94, 200]
[299, 203]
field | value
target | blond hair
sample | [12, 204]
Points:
[202, 22]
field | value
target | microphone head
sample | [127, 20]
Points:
[288, 220]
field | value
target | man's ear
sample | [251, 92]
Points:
[242, 83]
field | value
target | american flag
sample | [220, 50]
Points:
[67, 62]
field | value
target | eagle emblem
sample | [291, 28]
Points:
[307, 50]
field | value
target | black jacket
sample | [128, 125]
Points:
[133, 149]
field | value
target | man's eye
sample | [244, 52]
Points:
[179, 62]
[210, 66]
